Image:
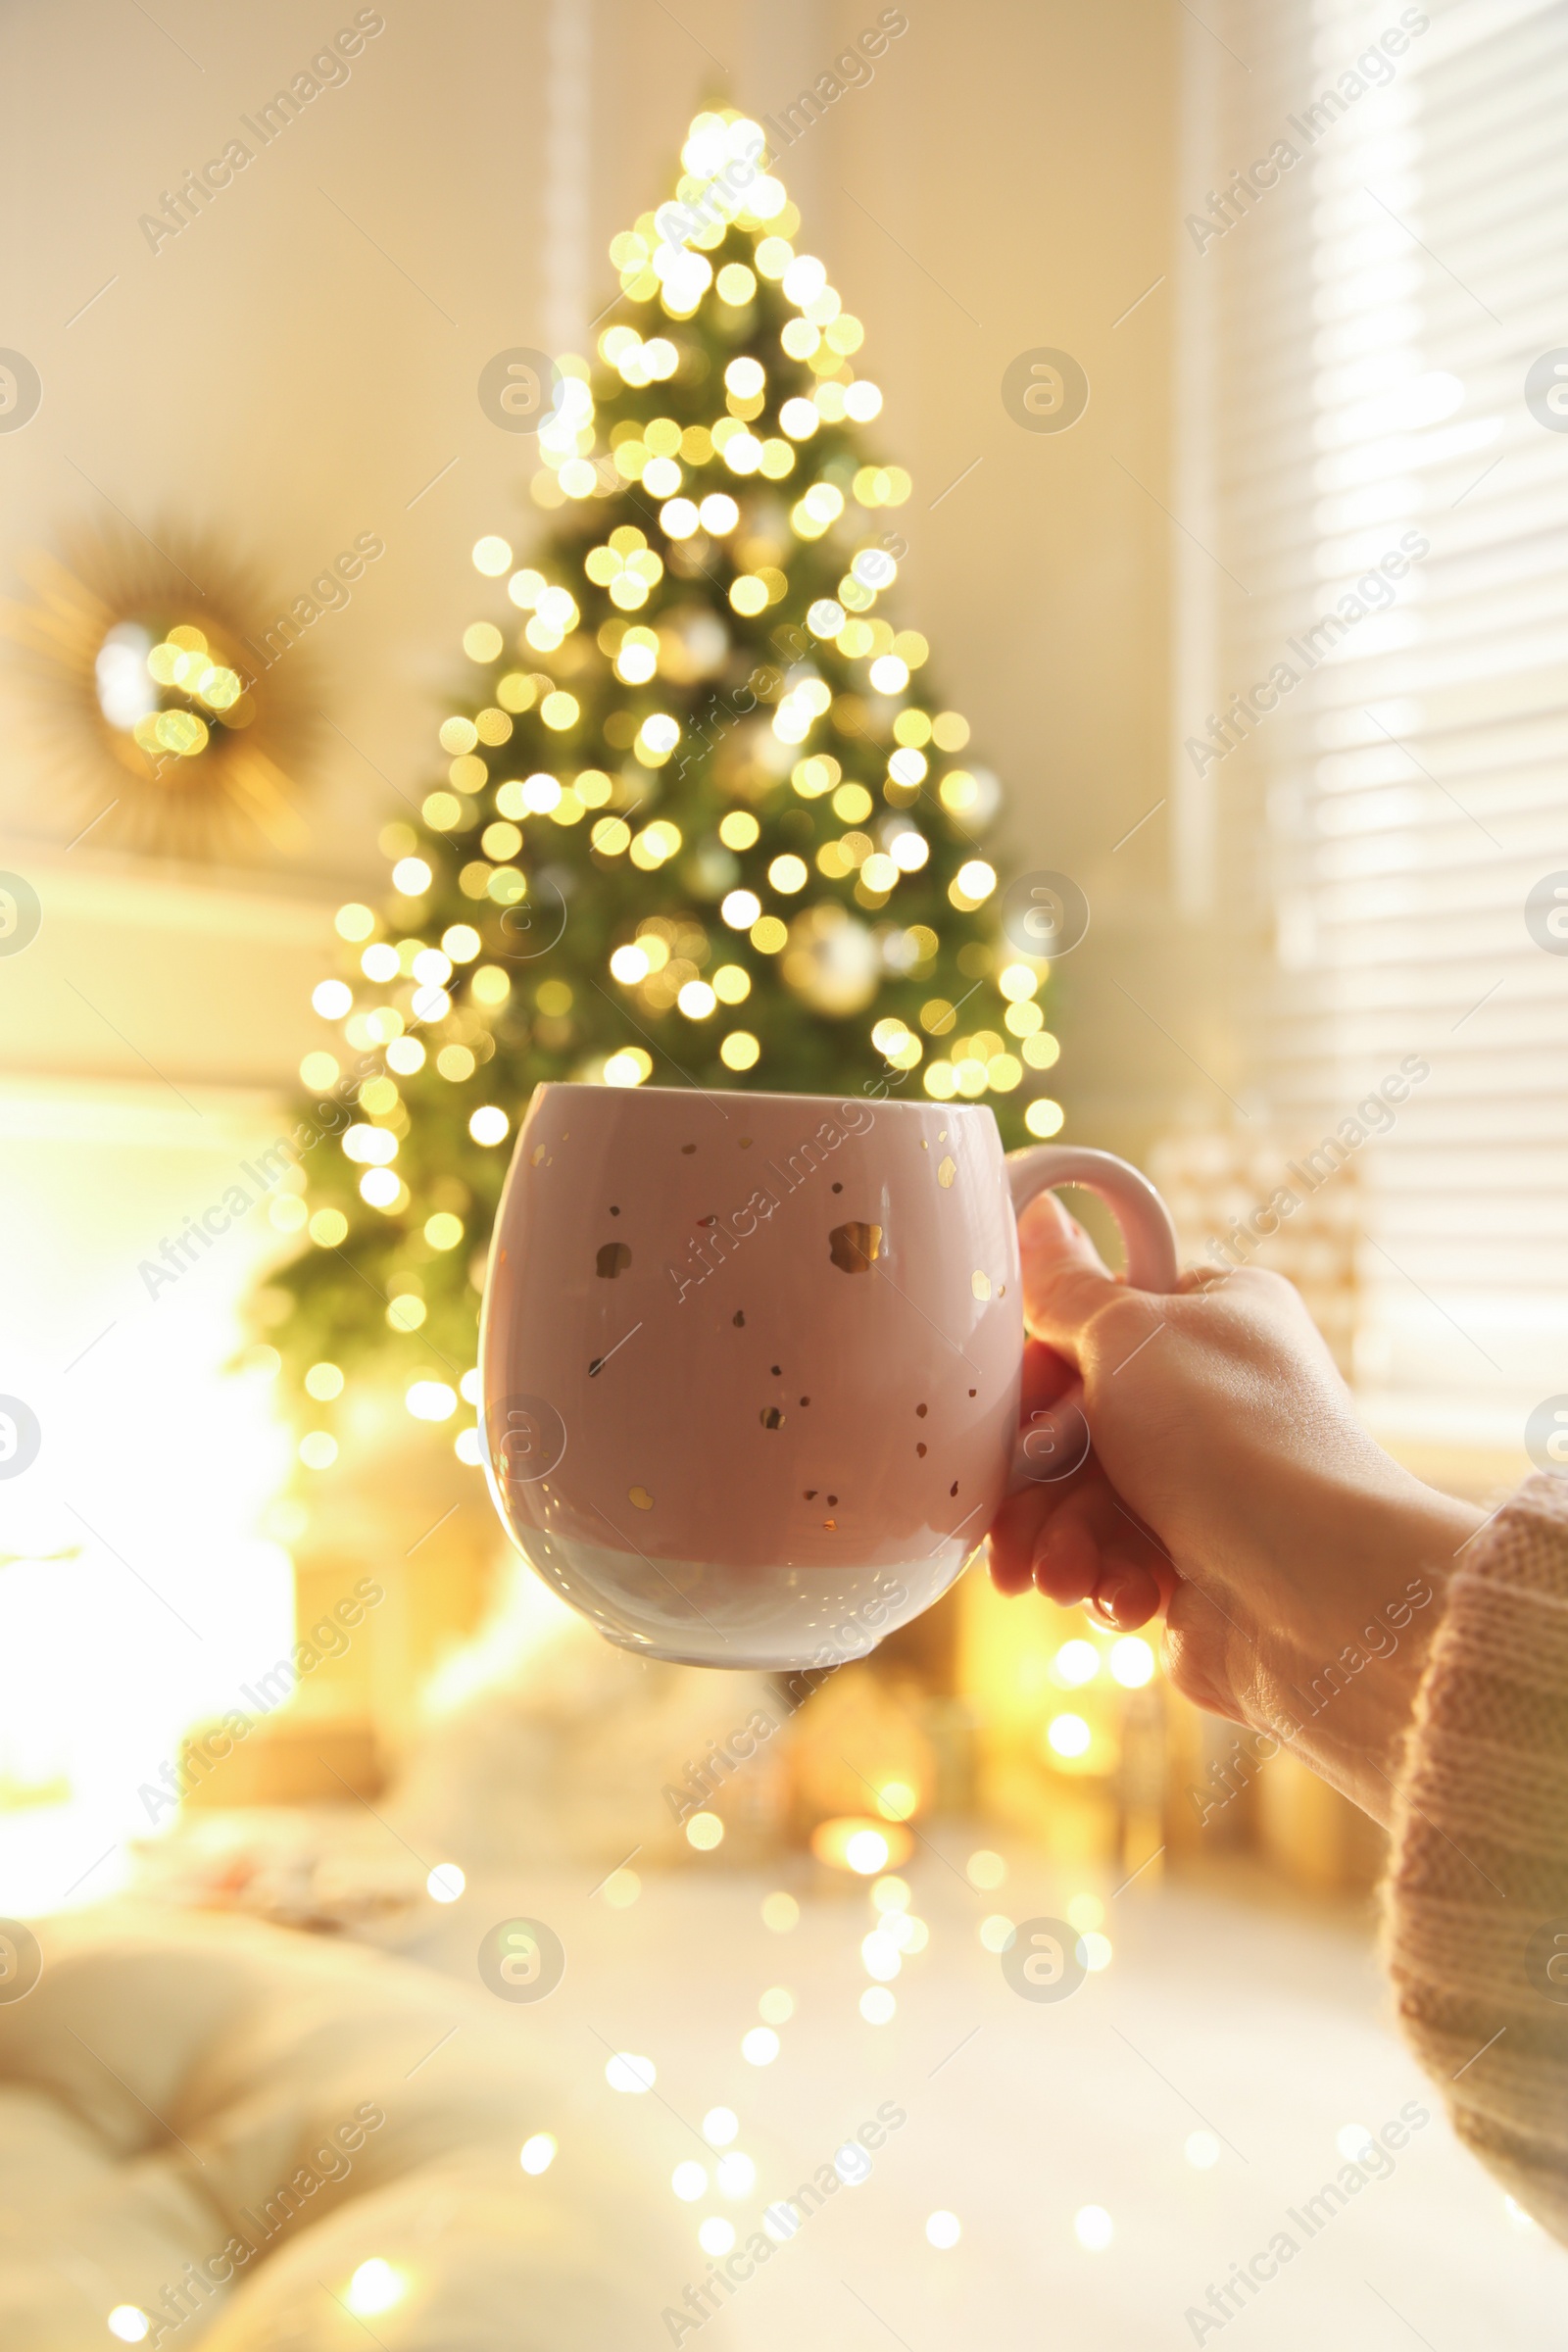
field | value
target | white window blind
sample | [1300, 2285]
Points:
[1379, 541]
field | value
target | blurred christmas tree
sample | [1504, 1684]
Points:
[701, 822]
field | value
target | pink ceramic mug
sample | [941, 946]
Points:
[752, 1362]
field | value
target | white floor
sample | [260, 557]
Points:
[1263, 2028]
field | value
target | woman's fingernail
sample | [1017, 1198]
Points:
[1107, 1596]
[1124, 1595]
[1045, 1545]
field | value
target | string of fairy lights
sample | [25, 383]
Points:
[853, 802]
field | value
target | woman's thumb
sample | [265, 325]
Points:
[1065, 1280]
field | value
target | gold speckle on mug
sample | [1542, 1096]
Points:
[947, 1172]
[641, 1497]
[830, 1527]
[745, 1142]
[536, 1155]
[941, 1135]
[980, 1284]
[770, 1417]
[612, 1259]
[855, 1248]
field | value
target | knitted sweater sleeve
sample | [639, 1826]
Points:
[1476, 1904]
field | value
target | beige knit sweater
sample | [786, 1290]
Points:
[1476, 1922]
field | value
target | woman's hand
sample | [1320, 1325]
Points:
[1301, 1570]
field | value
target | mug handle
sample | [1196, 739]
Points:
[1057, 1440]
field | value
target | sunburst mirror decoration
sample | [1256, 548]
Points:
[180, 712]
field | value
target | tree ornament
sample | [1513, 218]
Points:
[832, 960]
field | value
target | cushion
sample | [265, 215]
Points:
[217, 2123]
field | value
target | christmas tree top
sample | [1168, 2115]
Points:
[702, 822]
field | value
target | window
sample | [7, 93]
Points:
[1371, 763]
